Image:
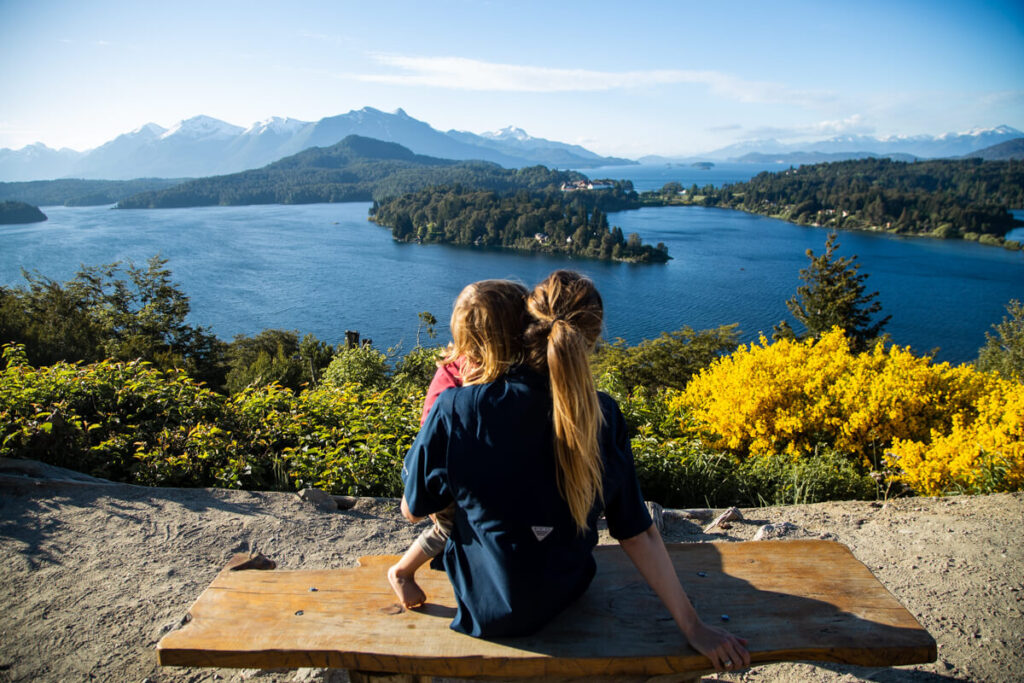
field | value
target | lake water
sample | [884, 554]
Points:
[654, 176]
[324, 269]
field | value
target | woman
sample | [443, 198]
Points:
[530, 461]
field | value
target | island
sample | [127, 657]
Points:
[16, 213]
[554, 221]
[703, 165]
[946, 198]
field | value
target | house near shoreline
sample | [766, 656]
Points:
[578, 185]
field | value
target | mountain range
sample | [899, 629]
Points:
[898, 147]
[204, 146]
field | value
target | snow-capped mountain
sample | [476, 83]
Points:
[202, 128]
[203, 146]
[547, 152]
[36, 161]
[276, 125]
[922, 146]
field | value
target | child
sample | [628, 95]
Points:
[487, 324]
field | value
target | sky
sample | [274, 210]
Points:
[619, 78]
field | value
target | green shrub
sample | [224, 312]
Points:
[782, 480]
[414, 370]
[97, 418]
[683, 474]
[363, 365]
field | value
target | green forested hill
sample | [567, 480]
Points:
[79, 192]
[355, 169]
[967, 198]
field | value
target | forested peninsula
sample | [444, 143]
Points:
[15, 213]
[79, 192]
[357, 169]
[572, 222]
[967, 199]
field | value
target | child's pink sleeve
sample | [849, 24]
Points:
[446, 377]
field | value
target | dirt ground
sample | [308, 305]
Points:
[93, 574]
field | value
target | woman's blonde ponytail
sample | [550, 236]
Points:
[568, 313]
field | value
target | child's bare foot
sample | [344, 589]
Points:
[404, 584]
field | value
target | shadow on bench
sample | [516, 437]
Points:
[798, 600]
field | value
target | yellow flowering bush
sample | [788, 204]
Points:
[946, 424]
[979, 454]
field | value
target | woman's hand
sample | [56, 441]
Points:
[648, 553]
[726, 651]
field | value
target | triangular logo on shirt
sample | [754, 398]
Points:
[541, 532]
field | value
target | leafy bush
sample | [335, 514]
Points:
[130, 422]
[97, 418]
[362, 365]
[685, 473]
[780, 479]
[414, 370]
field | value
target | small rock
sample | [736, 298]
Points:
[689, 513]
[657, 515]
[775, 531]
[319, 499]
[727, 516]
[345, 502]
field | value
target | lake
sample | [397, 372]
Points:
[323, 268]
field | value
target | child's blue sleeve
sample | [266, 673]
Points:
[425, 471]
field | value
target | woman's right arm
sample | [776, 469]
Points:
[647, 551]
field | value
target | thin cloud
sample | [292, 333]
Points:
[851, 125]
[461, 73]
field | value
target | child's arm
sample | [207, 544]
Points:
[446, 377]
[648, 553]
[407, 513]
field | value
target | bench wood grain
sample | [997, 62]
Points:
[792, 600]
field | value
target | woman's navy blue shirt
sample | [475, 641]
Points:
[515, 558]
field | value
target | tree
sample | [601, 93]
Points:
[110, 311]
[276, 357]
[1004, 351]
[669, 360]
[833, 296]
[427, 320]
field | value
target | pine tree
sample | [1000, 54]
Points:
[1004, 351]
[833, 296]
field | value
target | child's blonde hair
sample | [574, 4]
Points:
[567, 317]
[487, 329]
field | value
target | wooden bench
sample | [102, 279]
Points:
[792, 600]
